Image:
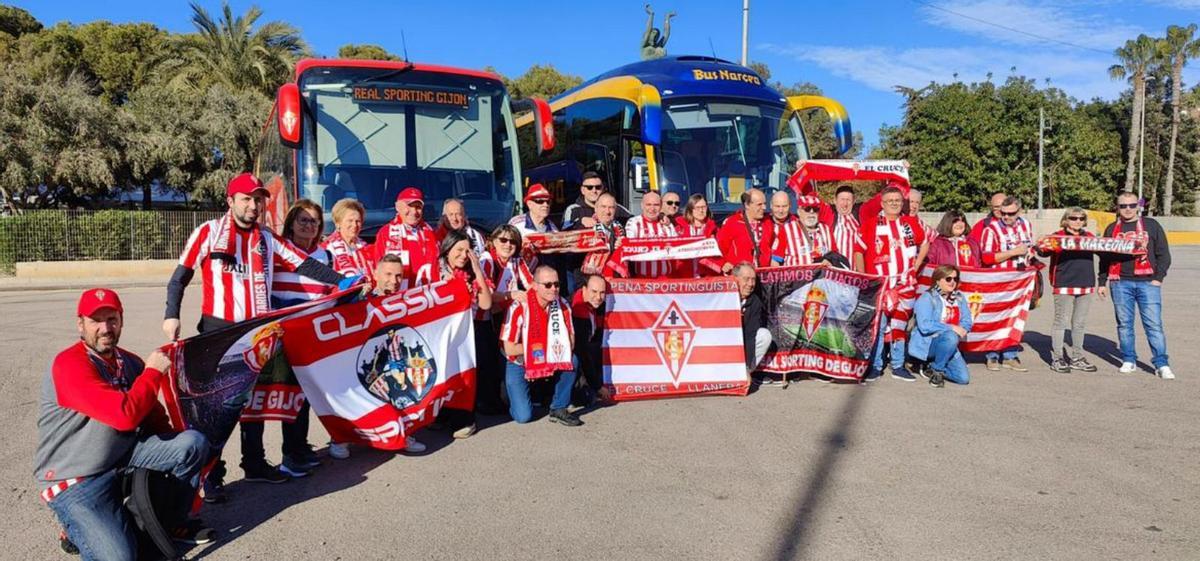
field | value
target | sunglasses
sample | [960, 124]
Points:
[1013, 213]
[671, 203]
[540, 201]
[809, 208]
[1077, 218]
[951, 279]
[1130, 205]
[595, 187]
[549, 284]
[506, 240]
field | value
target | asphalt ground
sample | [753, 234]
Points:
[1033, 465]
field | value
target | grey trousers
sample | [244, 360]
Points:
[1073, 310]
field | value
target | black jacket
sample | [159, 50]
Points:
[1072, 269]
[754, 317]
[1158, 252]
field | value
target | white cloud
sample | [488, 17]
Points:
[883, 68]
[1026, 19]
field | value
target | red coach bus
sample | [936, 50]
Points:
[366, 129]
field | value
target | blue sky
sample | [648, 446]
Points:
[855, 50]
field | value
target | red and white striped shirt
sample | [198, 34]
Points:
[846, 235]
[795, 245]
[228, 286]
[349, 258]
[998, 237]
[290, 288]
[890, 249]
[639, 227]
[513, 276]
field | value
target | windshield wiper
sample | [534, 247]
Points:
[386, 75]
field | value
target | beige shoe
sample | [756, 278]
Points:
[465, 432]
[1015, 365]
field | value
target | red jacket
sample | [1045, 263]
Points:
[738, 247]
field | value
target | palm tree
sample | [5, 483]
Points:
[232, 52]
[1136, 57]
[1176, 49]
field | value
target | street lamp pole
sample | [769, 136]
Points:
[745, 32]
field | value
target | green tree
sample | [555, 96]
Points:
[1136, 56]
[234, 52]
[118, 56]
[1175, 49]
[542, 81]
[17, 22]
[366, 52]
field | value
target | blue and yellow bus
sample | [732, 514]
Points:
[690, 124]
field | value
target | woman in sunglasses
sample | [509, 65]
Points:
[510, 278]
[456, 260]
[943, 320]
[1072, 281]
[953, 244]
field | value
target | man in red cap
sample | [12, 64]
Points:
[802, 239]
[537, 219]
[100, 414]
[409, 237]
[237, 258]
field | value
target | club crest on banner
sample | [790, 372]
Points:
[396, 366]
[263, 345]
[674, 333]
[975, 303]
[815, 305]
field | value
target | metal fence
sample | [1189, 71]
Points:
[74, 235]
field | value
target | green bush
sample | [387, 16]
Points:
[55, 235]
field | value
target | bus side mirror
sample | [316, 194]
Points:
[837, 115]
[287, 112]
[543, 121]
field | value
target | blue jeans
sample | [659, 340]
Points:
[91, 511]
[519, 405]
[1006, 354]
[1148, 299]
[945, 358]
[897, 358]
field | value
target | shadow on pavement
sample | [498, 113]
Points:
[251, 504]
[1102, 348]
[795, 527]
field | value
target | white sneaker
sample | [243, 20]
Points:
[1127, 368]
[1165, 373]
[413, 445]
[339, 450]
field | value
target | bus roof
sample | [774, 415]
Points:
[683, 76]
[310, 63]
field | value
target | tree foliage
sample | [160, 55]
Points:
[366, 52]
[542, 81]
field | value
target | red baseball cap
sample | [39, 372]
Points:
[537, 191]
[96, 299]
[244, 184]
[411, 195]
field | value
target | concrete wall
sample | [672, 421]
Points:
[53, 270]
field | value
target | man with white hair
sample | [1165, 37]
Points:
[799, 240]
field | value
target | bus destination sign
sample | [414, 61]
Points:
[409, 94]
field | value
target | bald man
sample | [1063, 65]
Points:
[650, 225]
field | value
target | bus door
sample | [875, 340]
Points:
[636, 175]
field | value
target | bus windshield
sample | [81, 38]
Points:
[369, 133]
[721, 148]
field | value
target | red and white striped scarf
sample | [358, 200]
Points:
[349, 258]
[895, 252]
[639, 227]
[415, 245]
[548, 337]
[260, 281]
[800, 246]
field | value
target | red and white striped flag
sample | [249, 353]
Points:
[375, 371]
[999, 301]
[668, 338]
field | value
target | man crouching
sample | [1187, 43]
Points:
[100, 415]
